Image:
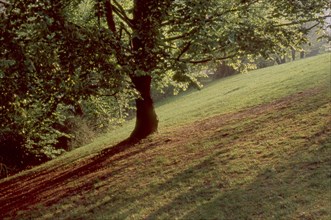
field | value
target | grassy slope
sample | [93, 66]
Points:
[237, 92]
[253, 146]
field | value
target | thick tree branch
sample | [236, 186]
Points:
[4, 2]
[209, 59]
[120, 12]
[110, 16]
[182, 35]
[301, 21]
[184, 50]
[313, 26]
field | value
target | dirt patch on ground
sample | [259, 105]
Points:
[49, 186]
[201, 128]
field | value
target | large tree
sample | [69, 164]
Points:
[162, 39]
[55, 52]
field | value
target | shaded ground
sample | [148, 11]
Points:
[267, 156]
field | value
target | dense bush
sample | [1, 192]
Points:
[41, 89]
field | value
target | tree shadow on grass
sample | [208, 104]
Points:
[286, 193]
[16, 198]
[298, 189]
[124, 205]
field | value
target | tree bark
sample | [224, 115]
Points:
[146, 118]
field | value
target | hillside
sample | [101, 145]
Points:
[251, 146]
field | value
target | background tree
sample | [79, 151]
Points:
[54, 53]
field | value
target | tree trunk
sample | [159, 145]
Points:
[143, 42]
[293, 54]
[302, 54]
[146, 118]
[280, 60]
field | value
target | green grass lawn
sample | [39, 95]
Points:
[253, 88]
[251, 146]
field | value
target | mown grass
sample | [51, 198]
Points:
[237, 92]
[235, 150]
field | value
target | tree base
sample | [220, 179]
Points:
[146, 118]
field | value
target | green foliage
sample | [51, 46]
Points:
[103, 113]
[47, 62]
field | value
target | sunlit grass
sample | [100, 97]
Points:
[240, 91]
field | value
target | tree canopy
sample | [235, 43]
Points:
[55, 53]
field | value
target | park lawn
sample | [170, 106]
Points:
[250, 146]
